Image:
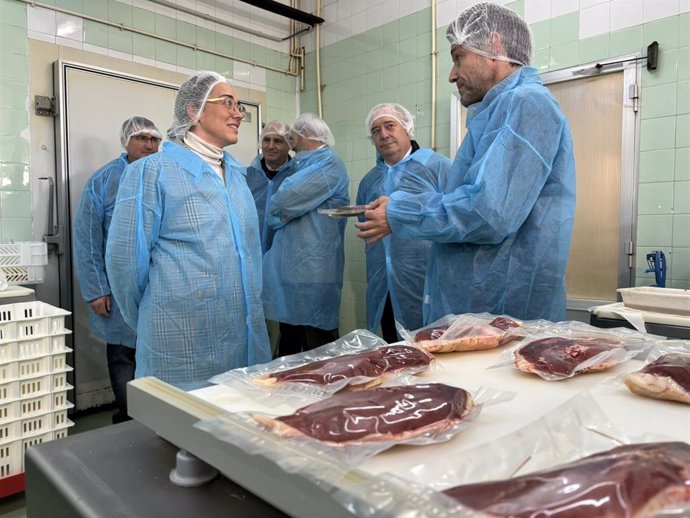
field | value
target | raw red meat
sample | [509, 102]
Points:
[668, 377]
[373, 364]
[631, 481]
[560, 357]
[430, 333]
[504, 323]
[382, 414]
[467, 337]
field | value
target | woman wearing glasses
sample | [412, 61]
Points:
[184, 248]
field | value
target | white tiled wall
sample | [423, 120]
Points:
[595, 20]
[345, 18]
[63, 29]
[537, 10]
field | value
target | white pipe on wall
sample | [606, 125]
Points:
[319, 100]
[121, 26]
[434, 57]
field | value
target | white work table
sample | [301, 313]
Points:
[631, 414]
[172, 414]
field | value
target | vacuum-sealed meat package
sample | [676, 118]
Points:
[466, 333]
[398, 413]
[365, 369]
[666, 375]
[357, 360]
[576, 349]
[630, 481]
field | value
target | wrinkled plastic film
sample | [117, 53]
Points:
[627, 480]
[579, 425]
[665, 375]
[552, 353]
[354, 342]
[576, 429]
[468, 332]
[352, 452]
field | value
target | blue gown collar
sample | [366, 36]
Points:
[193, 163]
[521, 76]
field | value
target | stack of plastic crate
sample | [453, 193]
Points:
[24, 262]
[33, 380]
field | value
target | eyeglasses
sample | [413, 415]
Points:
[229, 103]
[146, 139]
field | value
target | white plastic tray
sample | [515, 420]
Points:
[659, 300]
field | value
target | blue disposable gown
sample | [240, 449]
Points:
[262, 188]
[303, 269]
[502, 227]
[396, 265]
[90, 233]
[183, 257]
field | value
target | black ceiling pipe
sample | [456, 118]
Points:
[286, 10]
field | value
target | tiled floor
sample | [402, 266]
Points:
[15, 506]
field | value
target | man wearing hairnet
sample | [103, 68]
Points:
[396, 267]
[303, 269]
[184, 245]
[267, 171]
[502, 226]
[139, 137]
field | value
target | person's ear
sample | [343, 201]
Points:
[192, 112]
[496, 44]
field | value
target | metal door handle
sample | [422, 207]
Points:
[56, 238]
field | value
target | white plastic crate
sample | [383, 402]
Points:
[40, 366]
[27, 427]
[18, 275]
[10, 411]
[9, 372]
[30, 426]
[9, 392]
[33, 348]
[24, 254]
[59, 399]
[23, 263]
[11, 459]
[34, 367]
[23, 408]
[12, 453]
[35, 406]
[30, 319]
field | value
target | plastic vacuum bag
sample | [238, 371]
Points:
[627, 474]
[666, 374]
[358, 360]
[566, 349]
[353, 426]
[468, 332]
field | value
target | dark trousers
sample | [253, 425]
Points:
[390, 334]
[296, 339]
[121, 365]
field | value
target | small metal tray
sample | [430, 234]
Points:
[347, 211]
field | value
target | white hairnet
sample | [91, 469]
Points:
[395, 111]
[138, 126]
[473, 28]
[312, 127]
[276, 128]
[193, 92]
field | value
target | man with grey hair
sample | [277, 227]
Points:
[139, 138]
[396, 267]
[267, 171]
[303, 269]
[502, 225]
